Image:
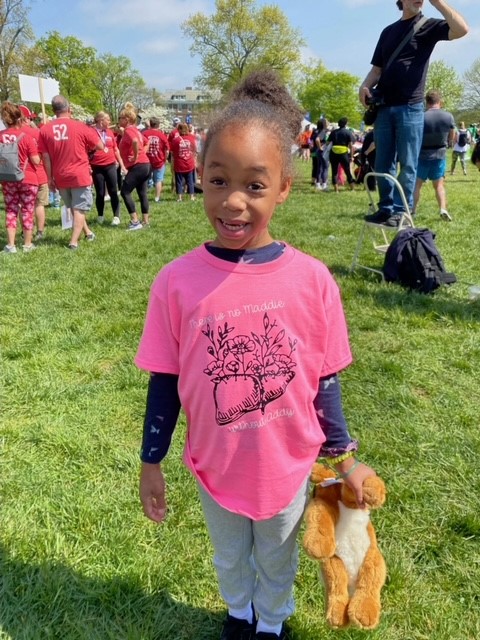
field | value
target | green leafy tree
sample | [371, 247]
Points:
[239, 37]
[15, 36]
[471, 81]
[445, 79]
[67, 60]
[118, 83]
[332, 94]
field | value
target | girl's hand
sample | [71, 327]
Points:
[152, 492]
[356, 478]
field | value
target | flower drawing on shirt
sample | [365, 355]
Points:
[248, 372]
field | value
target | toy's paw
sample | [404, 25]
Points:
[364, 611]
[317, 546]
[337, 614]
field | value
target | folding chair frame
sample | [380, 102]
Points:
[378, 232]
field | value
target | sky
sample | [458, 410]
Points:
[340, 33]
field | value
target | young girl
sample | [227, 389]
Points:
[247, 334]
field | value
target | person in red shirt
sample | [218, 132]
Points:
[184, 152]
[157, 152]
[19, 195]
[135, 159]
[28, 127]
[65, 144]
[104, 168]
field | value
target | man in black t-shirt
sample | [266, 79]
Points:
[399, 123]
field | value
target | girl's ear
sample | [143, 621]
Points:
[284, 190]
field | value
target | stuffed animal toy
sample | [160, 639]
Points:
[341, 537]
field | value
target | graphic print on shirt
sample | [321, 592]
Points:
[248, 372]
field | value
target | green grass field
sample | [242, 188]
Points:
[78, 559]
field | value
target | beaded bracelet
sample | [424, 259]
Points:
[338, 459]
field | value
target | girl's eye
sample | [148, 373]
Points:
[217, 181]
[256, 186]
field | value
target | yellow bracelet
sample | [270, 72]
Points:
[338, 459]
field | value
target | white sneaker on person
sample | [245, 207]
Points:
[135, 226]
[318, 186]
[115, 221]
[100, 219]
[10, 248]
[445, 215]
[28, 247]
[157, 199]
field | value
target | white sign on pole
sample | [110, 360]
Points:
[35, 89]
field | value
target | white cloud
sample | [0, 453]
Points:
[159, 46]
[152, 14]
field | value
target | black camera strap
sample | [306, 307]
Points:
[418, 25]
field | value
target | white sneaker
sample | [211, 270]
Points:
[135, 226]
[10, 248]
[157, 199]
[318, 186]
[445, 215]
[100, 219]
[115, 221]
[28, 247]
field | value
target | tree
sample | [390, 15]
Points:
[15, 35]
[118, 83]
[238, 38]
[332, 94]
[73, 65]
[445, 79]
[472, 87]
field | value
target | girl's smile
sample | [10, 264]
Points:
[242, 184]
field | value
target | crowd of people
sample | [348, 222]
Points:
[406, 137]
[67, 160]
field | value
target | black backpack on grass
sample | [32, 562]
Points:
[413, 260]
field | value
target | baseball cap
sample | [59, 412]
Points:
[176, 120]
[26, 113]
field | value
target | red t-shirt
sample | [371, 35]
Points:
[126, 147]
[105, 157]
[157, 147]
[40, 169]
[26, 148]
[184, 149]
[68, 142]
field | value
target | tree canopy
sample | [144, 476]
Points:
[445, 79]
[15, 36]
[239, 37]
[332, 94]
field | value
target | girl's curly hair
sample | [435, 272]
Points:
[261, 98]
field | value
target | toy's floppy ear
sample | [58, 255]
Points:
[374, 492]
[320, 473]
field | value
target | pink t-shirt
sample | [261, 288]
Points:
[249, 343]
[67, 142]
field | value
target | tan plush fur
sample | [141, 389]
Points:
[342, 538]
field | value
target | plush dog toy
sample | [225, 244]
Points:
[342, 538]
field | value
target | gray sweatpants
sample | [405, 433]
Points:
[256, 561]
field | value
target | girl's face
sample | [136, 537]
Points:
[242, 184]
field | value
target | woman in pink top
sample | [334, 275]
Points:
[19, 195]
[137, 164]
[247, 334]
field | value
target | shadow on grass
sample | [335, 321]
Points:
[50, 600]
[391, 295]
